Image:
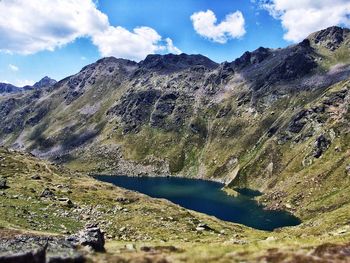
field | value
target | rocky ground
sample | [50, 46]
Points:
[21, 247]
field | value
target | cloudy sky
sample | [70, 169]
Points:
[58, 37]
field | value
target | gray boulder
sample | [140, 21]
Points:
[91, 236]
[24, 255]
[3, 183]
[25, 249]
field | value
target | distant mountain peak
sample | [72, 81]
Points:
[172, 62]
[44, 82]
[8, 88]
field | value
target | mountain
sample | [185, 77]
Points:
[263, 121]
[273, 120]
[8, 88]
[45, 82]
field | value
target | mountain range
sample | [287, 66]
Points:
[274, 120]
[250, 122]
[45, 82]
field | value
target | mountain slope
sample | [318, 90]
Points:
[269, 120]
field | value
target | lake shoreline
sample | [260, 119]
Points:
[160, 176]
[207, 197]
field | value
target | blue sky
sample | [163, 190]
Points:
[90, 30]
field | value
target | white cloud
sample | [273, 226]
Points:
[23, 82]
[205, 24]
[19, 82]
[171, 48]
[119, 42]
[301, 17]
[30, 26]
[13, 67]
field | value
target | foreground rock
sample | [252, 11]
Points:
[41, 249]
[91, 236]
[21, 250]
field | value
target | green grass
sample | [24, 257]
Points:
[147, 221]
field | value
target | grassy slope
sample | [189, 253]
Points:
[147, 221]
[309, 190]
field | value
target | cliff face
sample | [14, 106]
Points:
[265, 120]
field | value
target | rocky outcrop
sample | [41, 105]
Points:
[38, 249]
[321, 145]
[91, 236]
[48, 249]
[135, 108]
[22, 254]
[252, 58]
[298, 121]
[330, 38]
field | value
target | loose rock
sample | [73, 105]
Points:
[91, 236]
[3, 183]
[47, 193]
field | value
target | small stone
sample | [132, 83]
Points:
[271, 238]
[35, 177]
[347, 169]
[3, 183]
[130, 247]
[202, 227]
[66, 201]
[145, 249]
[47, 193]
[288, 206]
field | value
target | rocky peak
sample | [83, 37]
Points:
[109, 63]
[120, 61]
[108, 66]
[330, 38]
[44, 83]
[8, 88]
[250, 58]
[171, 62]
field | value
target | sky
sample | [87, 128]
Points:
[56, 38]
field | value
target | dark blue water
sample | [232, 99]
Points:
[207, 197]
